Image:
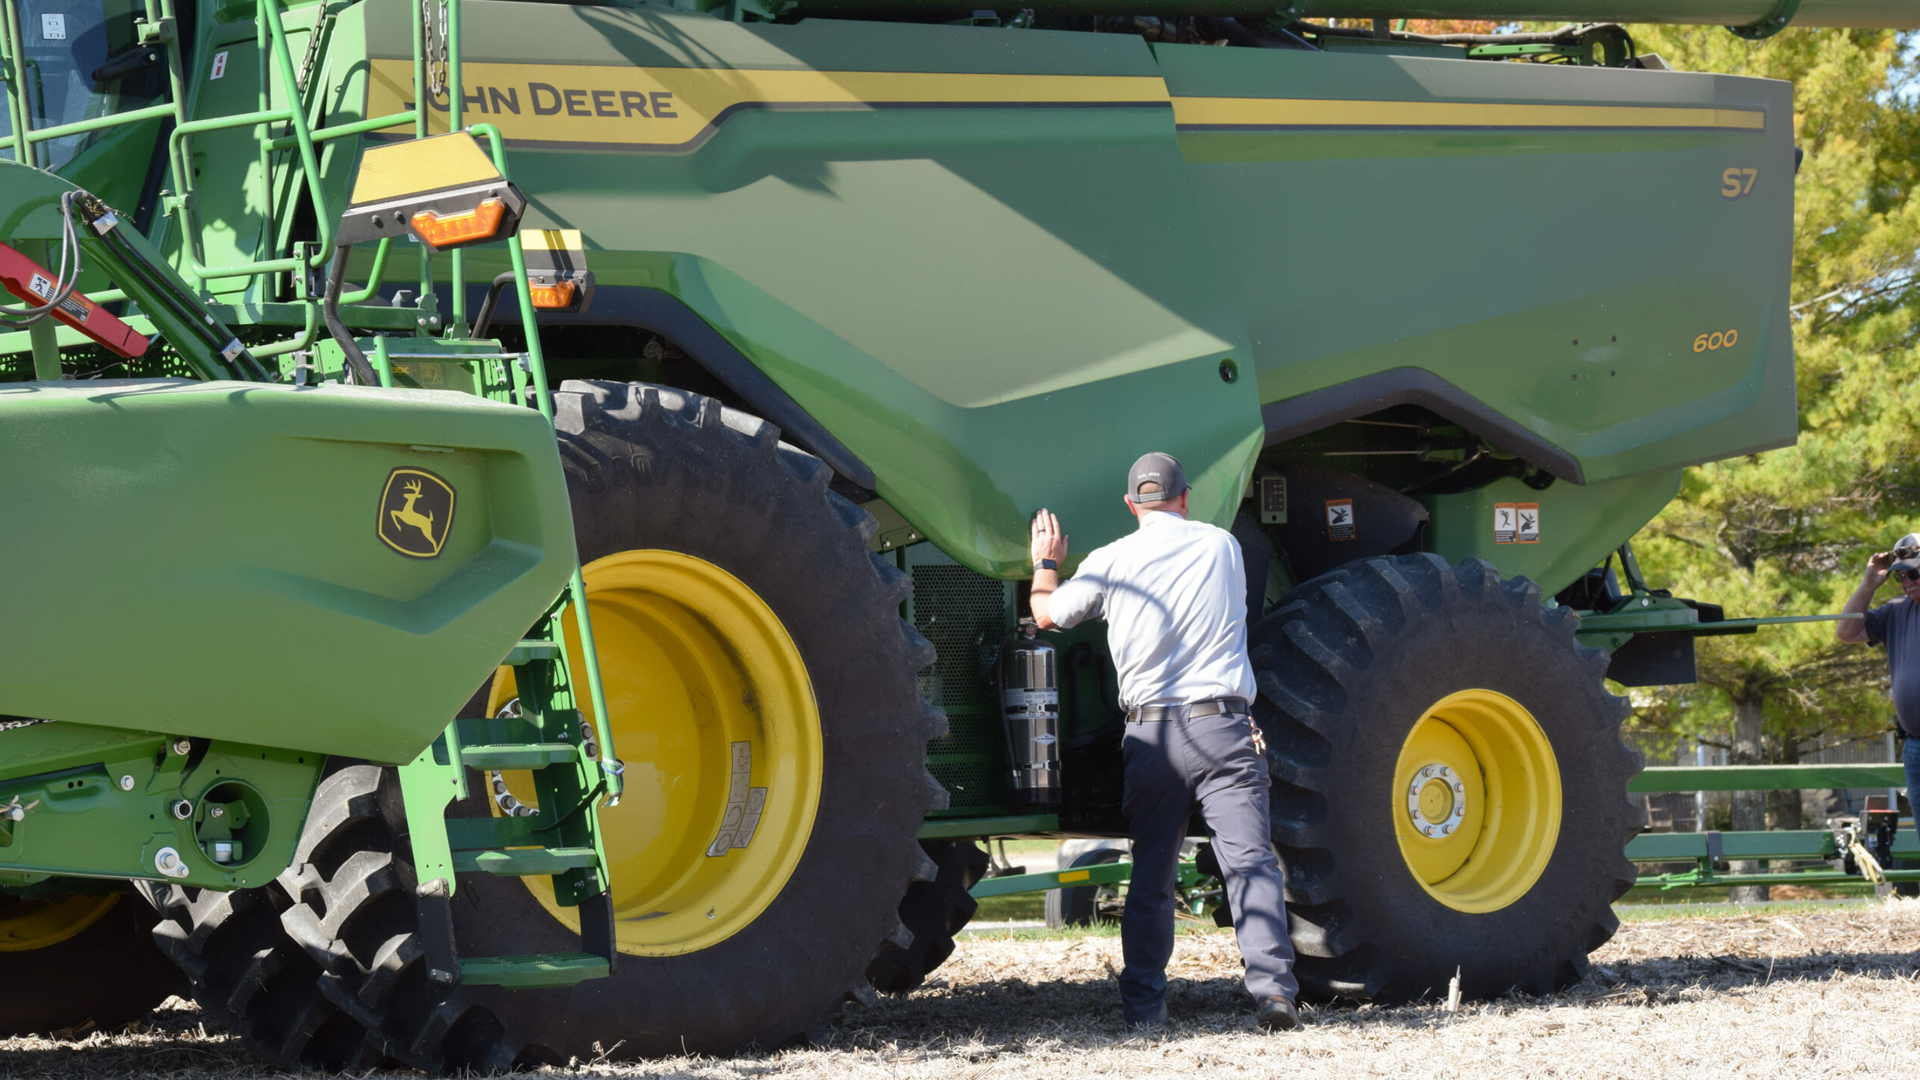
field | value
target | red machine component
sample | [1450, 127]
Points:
[33, 283]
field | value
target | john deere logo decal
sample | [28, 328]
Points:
[416, 512]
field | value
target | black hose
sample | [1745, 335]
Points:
[483, 319]
[330, 312]
[164, 294]
[184, 309]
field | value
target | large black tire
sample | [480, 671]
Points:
[655, 468]
[1347, 665]
[931, 913]
[106, 975]
[249, 977]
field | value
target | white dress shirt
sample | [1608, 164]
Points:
[1174, 595]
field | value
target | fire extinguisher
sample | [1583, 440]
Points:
[1030, 709]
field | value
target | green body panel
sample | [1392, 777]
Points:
[241, 519]
[1422, 248]
[1579, 525]
[978, 384]
[1100, 251]
[1096, 264]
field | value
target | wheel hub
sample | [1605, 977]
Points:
[1477, 800]
[1436, 801]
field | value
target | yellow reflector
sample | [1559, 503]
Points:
[558, 295]
[1075, 875]
[479, 223]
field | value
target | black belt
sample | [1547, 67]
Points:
[1156, 714]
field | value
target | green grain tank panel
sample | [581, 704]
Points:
[227, 561]
[999, 264]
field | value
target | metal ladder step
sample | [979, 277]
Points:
[545, 969]
[531, 650]
[517, 755]
[524, 862]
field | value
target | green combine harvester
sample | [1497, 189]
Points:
[412, 411]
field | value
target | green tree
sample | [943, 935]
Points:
[1787, 532]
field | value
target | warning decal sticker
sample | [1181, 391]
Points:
[1516, 523]
[1529, 514]
[1340, 519]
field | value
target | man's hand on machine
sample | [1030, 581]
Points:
[1048, 546]
[1047, 542]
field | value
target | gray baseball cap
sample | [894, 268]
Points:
[1156, 468]
[1906, 553]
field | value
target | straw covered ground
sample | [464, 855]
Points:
[1829, 993]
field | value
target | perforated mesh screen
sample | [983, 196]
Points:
[965, 614]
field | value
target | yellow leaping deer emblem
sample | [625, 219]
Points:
[407, 515]
[416, 513]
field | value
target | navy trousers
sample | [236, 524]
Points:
[1172, 767]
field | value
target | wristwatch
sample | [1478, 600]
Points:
[1046, 564]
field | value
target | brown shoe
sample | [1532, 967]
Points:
[1277, 1014]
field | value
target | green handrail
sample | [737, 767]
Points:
[81, 127]
[341, 131]
[272, 31]
[537, 367]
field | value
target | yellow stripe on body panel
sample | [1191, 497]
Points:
[1311, 113]
[550, 240]
[673, 107]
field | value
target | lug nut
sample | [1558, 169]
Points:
[183, 747]
[126, 783]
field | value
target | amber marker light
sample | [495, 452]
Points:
[558, 295]
[466, 227]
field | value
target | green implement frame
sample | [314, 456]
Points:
[1848, 845]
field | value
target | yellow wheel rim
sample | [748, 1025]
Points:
[1476, 801]
[713, 712]
[26, 925]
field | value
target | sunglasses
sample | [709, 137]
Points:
[1904, 576]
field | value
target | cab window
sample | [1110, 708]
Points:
[79, 60]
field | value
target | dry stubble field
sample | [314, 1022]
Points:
[1829, 994]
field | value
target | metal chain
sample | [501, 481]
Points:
[313, 50]
[436, 45]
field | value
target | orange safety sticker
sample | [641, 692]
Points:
[1340, 523]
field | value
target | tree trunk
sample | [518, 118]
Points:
[1749, 807]
[1784, 808]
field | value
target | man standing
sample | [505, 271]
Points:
[1895, 624]
[1173, 595]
